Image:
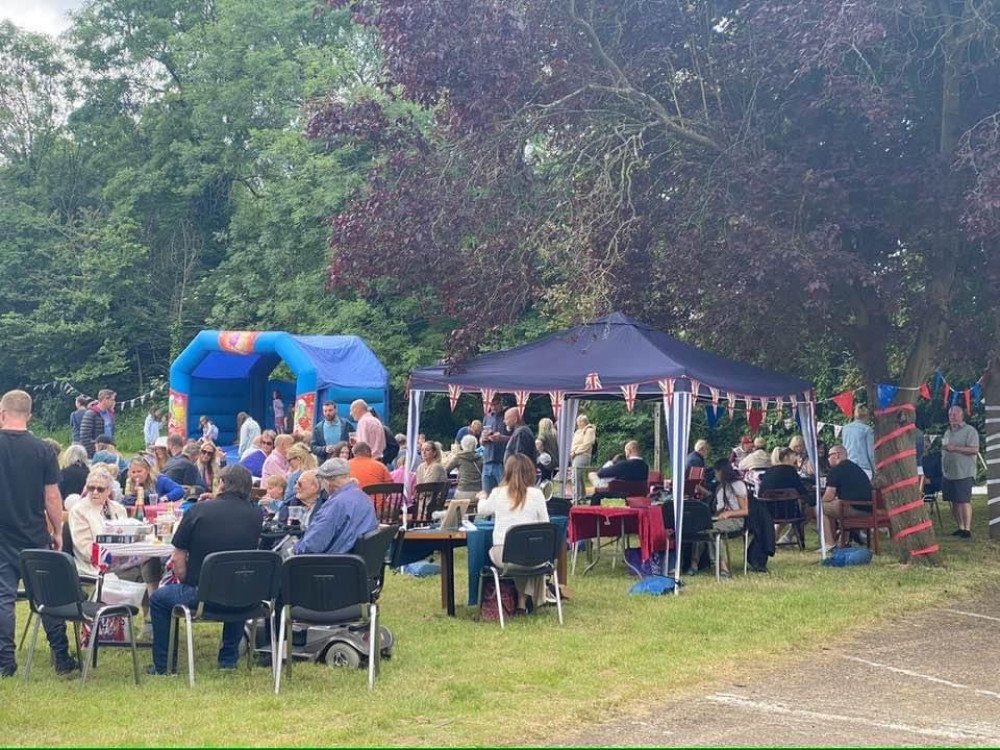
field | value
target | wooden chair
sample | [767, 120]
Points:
[695, 476]
[871, 522]
[389, 502]
[785, 506]
[429, 498]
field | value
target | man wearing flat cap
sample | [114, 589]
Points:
[345, 516]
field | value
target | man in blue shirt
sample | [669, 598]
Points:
[345, 516]
[858, 439]
[329, 431]
[494, 442]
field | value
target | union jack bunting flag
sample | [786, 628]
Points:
[695, 387]
[764, 403]
[667, 387]
[731, 398]
[749, 403]
[630, 391]
[488, 394]
[522, 400]
[557, 398]
[592, 382]
[454, 391]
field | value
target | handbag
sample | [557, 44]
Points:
[488, 603]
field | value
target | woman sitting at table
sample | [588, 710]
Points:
[470, 469]
[207, 464]
[730, 507]
[86, 519]
[142, 473]
[516, 502]
[431, 469]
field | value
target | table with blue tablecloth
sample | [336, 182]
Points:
[478, 544]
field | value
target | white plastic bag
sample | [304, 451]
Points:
[117, 591]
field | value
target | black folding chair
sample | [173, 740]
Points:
[529, 550]
[326, 590]
[375, 548]
[389, 502]
[233, 587]
[428, 498]
[53, 589]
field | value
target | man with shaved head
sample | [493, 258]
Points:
[370, 429]
[522, 439]
[632, 469]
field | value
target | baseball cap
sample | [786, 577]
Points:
[161, 442]
[333, 467]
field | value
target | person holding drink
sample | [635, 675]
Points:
[494, 441]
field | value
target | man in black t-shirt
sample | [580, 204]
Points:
[845, 481]
[29, 492]
[230, 522]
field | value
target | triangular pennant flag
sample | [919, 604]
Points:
[977, 392]
[629, 392]
[731, 398]
[592, 382]
[488, 394]
[925, 391]
[454, 391]
[755, 417]
[667, 388]
[715, 395]
[712, 415]
[789, 423]
[764, 403]
[557, 398]
[933, 438]
[837, 429]
[946, 395]
[695, 388]
[968, 400]
[886, 394]
[748, 403]
[954, 397]
[845, 402]
[820, 426]
[521, 397]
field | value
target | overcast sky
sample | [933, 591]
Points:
[48, 16]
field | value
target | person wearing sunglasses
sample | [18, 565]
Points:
[254, 460]
[87, 518]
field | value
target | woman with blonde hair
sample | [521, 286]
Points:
[300, 459]
[516, 501]
[142, 472]
[74, 466]
[430, 469]
[207, 464]
[550, 439]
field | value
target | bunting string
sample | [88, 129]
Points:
[62, 386]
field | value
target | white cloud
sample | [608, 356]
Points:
[47, 16]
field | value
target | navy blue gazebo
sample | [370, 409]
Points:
[617, 357]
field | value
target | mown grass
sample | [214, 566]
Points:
[464, 682]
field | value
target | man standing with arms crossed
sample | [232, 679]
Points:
[29, 492]
[959, 452]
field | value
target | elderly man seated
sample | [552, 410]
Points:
[632, 469]
[346, 515]
[308, 494]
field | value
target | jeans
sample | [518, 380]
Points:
[55, 630]
[492, 474]
[162, 603]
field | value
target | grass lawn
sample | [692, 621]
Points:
[463, 682]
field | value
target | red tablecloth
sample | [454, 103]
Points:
[647, 523]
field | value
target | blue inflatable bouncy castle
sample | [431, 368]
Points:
[222, 373]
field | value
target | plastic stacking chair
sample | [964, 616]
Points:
[529, 550]
[326, 590]
[54, 589]
[233, 587]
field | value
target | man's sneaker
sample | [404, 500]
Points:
[65, 665]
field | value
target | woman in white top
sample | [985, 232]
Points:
[515, 502]
[431, 469]
[87, 517]
[730, 505]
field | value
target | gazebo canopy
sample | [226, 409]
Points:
[620, 352]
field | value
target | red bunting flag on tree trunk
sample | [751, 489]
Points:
[755, 417]
[925, 391]
[845, 401]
